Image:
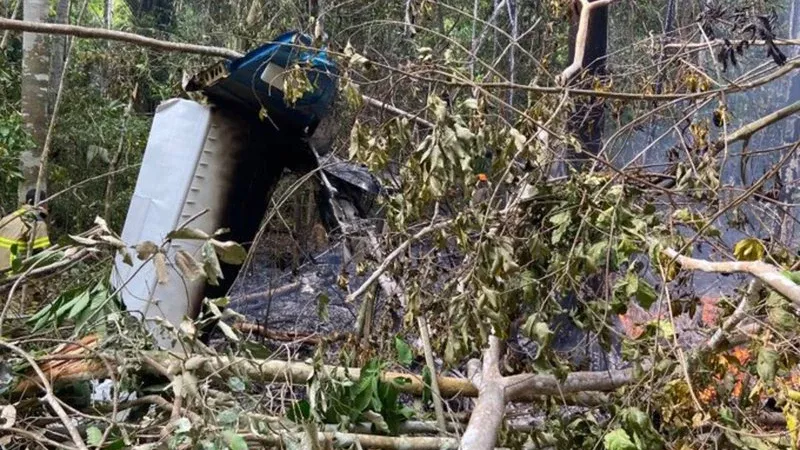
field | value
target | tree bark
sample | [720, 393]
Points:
[35, 92]
[108, 13]
[790, 176]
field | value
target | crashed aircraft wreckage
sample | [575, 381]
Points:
[214, 167]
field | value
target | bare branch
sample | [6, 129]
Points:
[767, 273]
[131, 38]
[487, 417]
[394, 255]
[753, 127]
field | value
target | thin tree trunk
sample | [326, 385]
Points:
[58, 47]
[109, 13]
[513, 15]
[790, 176]
[35, 87]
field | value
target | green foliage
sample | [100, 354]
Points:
[369, 399]
[83, 304]
[405, 355]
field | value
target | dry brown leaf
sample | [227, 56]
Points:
[161, 268]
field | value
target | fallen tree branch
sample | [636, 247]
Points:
[496, 390]
[751, 128]
[351, 440]
[522, 387]
[487, 416]
[767, 273]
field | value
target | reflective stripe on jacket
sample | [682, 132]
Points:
[15, 229]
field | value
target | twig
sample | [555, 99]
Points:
[36, 437]
[162, 403]
[310, 338]
[437, 396]
[718, 42]
[392, 256]
[75, 258]
[118, 154]
[375, 103]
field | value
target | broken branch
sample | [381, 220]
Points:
[767, 273]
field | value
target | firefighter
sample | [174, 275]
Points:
[16, 228]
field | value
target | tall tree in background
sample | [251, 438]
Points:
[35, 91]
[791, 173]
[59, 45]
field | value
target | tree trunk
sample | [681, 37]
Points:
[58, 47]
[108, 13]
[790, 176]
[35, 87]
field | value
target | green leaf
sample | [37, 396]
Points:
[749, 249]
[561, 218]
[794, 276]
[94, 436]
[427, 395]
[182, 425]
[767, 364]
[228, 417]
[405, 355]
[645, 294]
[299, 412]
[322, 306]
[234, 440]
[79, 304]
[228, 331]
[618, 440]
[236, 384]
[377, 421]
